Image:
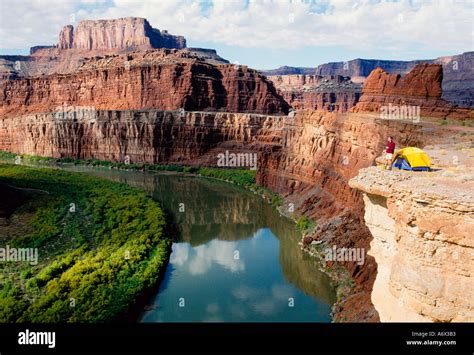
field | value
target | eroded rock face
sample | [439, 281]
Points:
[119, 34]
[66, 37]
[423, 244]
[308, 158]
[421, 87]
[315, 92]
[94, 38]
[458, 78]
[161, 79]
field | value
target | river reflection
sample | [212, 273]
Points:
[235, 259]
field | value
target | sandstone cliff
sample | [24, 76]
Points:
[163, 79]
[421, 87]
[423, 244]
[315, 92]
[94, 38]
[121, 34]
[458, 79]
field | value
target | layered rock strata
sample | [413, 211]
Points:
[314, 92]
[458, 79]
[162, 79]
[123, 33]
[96, 38]
[420, 88]
[423, 244]
[308, 158]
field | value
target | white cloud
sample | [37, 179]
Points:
[199, 260]
[407, 26]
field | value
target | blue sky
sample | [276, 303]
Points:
[264, 33]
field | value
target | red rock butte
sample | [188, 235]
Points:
[420, 87]
[121, 34]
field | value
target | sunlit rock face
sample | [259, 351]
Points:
[421, 87]
[457, 82]
[160, 79]
[122, 33]
[422, 242]
[315, 92]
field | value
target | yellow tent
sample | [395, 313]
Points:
[411, 158]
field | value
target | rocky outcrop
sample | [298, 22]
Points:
[208, 55]
[421, 225]
[296, 81]
[66, 37]
[314, 92]
[420, 88]
[458, 78]
[35, 49]
[92, 39]
[117, 34]
[359, 69]
[333, 101]
[163, 79]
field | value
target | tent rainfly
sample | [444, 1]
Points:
[411, 158]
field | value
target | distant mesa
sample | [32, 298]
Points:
[286, 70]
[315, 92]
[458, 73]
[96, 38]
[421, 87]
[117, 34]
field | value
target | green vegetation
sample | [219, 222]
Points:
[100, 245]
[304, 224]
[240, 177]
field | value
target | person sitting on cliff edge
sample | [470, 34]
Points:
[389, 150]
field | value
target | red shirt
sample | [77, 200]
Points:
[390, 147]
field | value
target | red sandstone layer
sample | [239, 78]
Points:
[160, 79]
[421, 87]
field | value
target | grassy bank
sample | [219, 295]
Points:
[240, 177]
[100, 245]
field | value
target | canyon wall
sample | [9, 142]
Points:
[359, 69]
[308, 159]
[121, 34]
[314, 92]
[163, 79]
[458, 79]
[422, 242]
[421, 87]
[333, 101]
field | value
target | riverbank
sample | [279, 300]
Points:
[243, 178]
[99, 245]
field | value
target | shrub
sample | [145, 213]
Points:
[304, 224]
